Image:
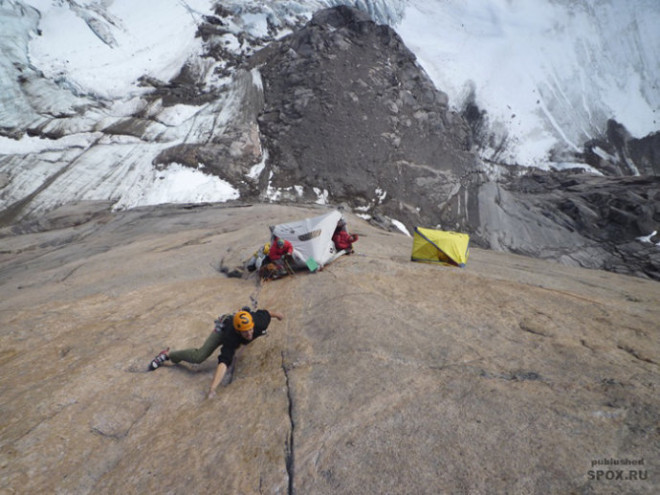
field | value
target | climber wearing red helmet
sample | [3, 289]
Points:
[231, 331]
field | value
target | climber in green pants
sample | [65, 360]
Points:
[231, 331]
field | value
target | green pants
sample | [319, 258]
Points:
[200, 354]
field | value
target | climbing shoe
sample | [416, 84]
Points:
[160, 359]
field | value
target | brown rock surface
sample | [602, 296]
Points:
[509, 376]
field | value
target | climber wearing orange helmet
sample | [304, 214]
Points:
[231, 331]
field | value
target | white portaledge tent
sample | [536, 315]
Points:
[311, 239]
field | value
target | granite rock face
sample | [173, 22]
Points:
[513, 375]
[572, 217]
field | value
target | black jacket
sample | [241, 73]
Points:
[232, 340]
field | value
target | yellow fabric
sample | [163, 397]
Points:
[439, 246]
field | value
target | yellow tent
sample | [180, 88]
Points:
[438, 246]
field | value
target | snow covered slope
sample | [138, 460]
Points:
[548, 73]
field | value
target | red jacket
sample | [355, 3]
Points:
[343, 240]
[276, 252]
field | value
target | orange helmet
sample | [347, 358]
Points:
[243, 321]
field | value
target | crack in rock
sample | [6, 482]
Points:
[636, 354]
[516, 376]
[290, 453]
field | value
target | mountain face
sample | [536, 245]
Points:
[545, 76]
[575, 218]
[513, 375]
[619, 153]
[347, 106]
[329, 108]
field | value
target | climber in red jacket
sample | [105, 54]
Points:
[278, 262]
[279, 248]
[342, 239]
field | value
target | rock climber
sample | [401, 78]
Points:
[281, 259]
[257, 259]
[231, 331]
[279, 249]
[342, 239]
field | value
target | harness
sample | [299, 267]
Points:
[220, 323]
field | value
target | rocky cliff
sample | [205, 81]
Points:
[513, 375]
[348, 109]
[337, 112]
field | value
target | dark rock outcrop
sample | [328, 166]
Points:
[617, 152]
[572, 217]
[348, 109]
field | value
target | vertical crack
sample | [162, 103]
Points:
[289, 446]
